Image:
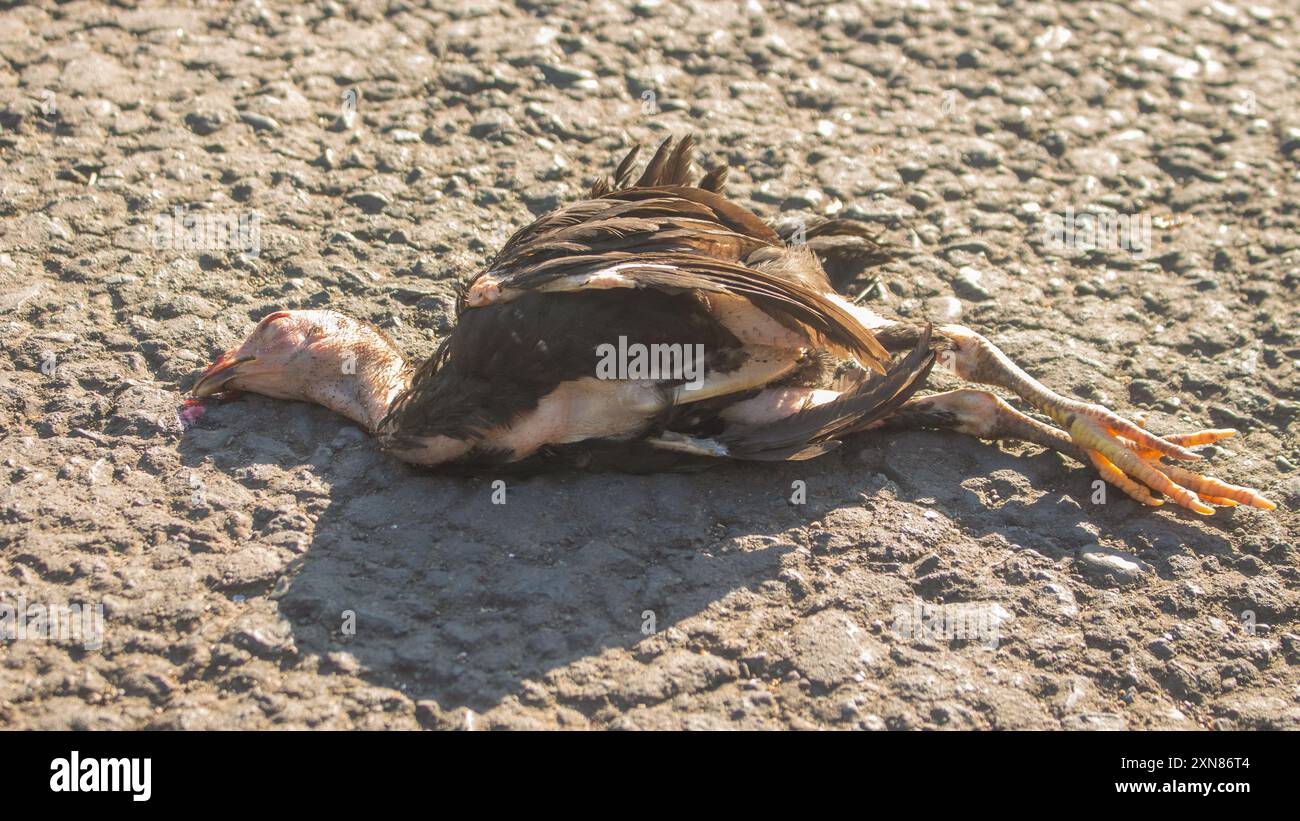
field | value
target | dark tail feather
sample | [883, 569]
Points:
[816, 430]
[654, 169]
[669, 166]
[604, 185]
[715, 180]
[624, 171]
[678, 170]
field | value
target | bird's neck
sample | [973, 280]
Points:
[372, 378]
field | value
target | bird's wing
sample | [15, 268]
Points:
[776, 296]
[672, 236]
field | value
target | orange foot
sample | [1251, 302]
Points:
[1131, 459]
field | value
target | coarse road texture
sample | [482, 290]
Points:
[266, 566]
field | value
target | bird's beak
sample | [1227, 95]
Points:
[214, 379]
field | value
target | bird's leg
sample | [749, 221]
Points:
[1126, 455]
[981, 414]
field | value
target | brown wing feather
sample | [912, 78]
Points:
[664, 233]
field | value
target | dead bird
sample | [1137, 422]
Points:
[656, 323]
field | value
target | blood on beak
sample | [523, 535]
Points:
[224, 369]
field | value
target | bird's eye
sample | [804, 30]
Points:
[315, 331]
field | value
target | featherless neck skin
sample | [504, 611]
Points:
[381, 375]
[349, 366]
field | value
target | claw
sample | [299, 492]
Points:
[1209, 486]
[1118, 425]
[1132, 463]
[1200, 437]
[1095, 435]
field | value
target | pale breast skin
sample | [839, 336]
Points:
[582, 409]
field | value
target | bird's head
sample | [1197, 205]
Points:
[346, 365]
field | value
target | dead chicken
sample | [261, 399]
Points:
[655, 323]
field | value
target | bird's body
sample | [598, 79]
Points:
[660, 270]
[657, 323]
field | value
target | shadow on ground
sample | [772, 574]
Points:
[437, 590]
